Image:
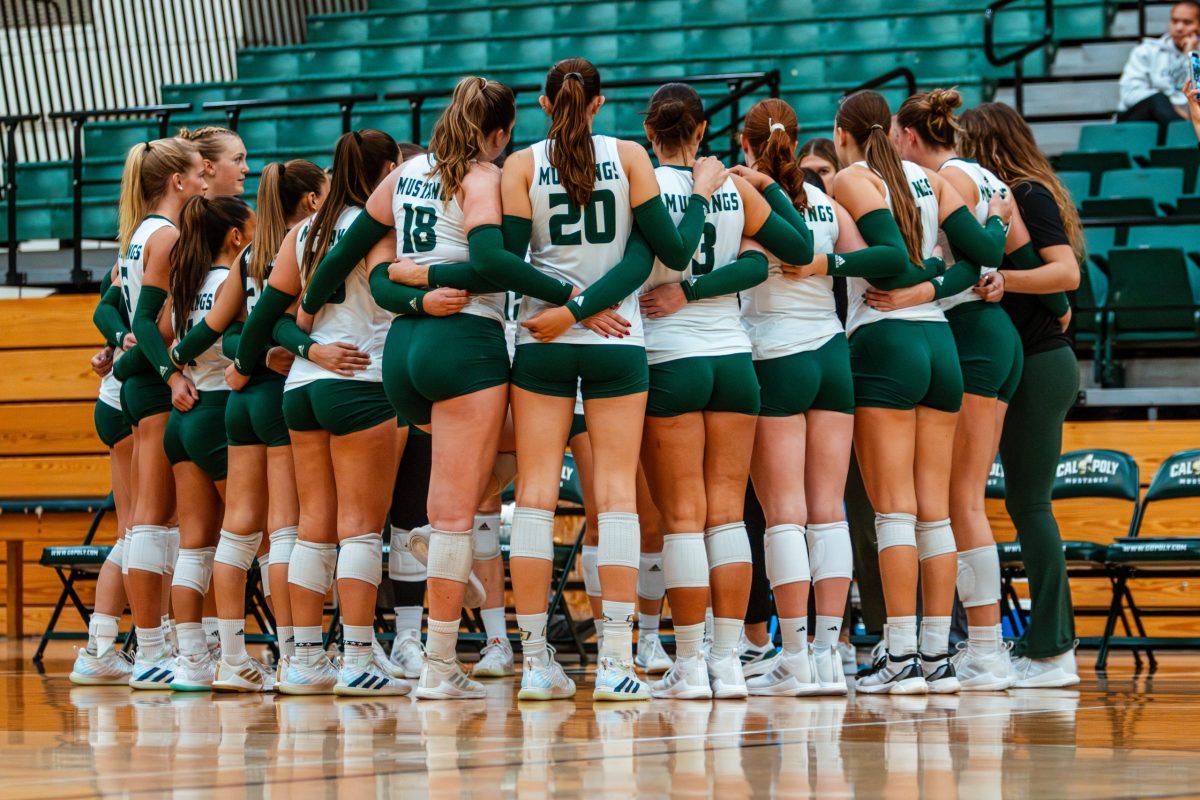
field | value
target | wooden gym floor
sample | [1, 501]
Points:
[1118, 735]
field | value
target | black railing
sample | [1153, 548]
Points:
[739, 84]
[77, 119]
[233, 108]
[8, 126]
[1015, 57]
[910, 81]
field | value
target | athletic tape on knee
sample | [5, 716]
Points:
[238, 550]
[361, 558]
[117, 554]
[830, 554]
[312, 565]
[283, 541]
[590, 570]
[727, 544]
[532, 534]
[785, 554]
[685, 561]
[651, 584]
[172, 550]
[487, 536]
[978, 578]
[620, 540]
[895, 530]
[504, 469]
[403, 565]
[935, 539]
[264, 573]
[194, 567]
[450, 555]
[146, 549]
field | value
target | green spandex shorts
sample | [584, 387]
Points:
[989, 349]
[254, 415]
[430, 359]
[903, 364]
[339, 406]
[199, 435]
[599, 370]
[703, 383]
[111, 424]
[814, 379]
[144, 395]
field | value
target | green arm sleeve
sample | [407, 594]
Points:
[788, 244]
[461, 275]
[256, 333]
[395, 297]
[982, 245]
[492, 268]
[230, 339]
[1026, 257]
[749, 270]
[619, 282]
[108, 318]
[886, 253]
[145, 328]
[132, 363]
[517, 232]
[782, 205]
[963, 275]
[196, 341]
[290, 337]
[341, 259]
[674, 245]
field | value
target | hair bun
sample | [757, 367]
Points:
[944, 101]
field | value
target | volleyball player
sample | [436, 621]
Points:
[224, 156]
[820, 157]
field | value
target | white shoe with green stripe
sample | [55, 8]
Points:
[370, 679]
[616, 680]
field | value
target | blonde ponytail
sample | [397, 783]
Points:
[477, 108]
[148, 167]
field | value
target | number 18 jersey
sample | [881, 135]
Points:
[580, 245]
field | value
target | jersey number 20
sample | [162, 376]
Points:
[599, 219]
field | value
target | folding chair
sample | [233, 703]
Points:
[1167, 555]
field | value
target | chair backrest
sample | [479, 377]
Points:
[1180, 133]
[1163, 184]
[569, 488]
[1143, 280]
[1095, 494]
[1078, 183]
[1099, 240]
[1185, 237]
[994, 488]
[1177, 478]
[1136, 138]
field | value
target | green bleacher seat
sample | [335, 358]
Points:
[1078, 183]
[1135, 138]
[1185, 158]
[1154, 295]
[1181, 133]
[1136, 192]
[1091, 299]
[1094, 165]
[1099, 240]
[1185, 237]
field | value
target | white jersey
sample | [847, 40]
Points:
[859, 313]
[580, 246]
[713, 326]
[253, 290]
[788, 315]
[430, 230]
[988, 184]
[131, 263]
[110, 387]
[350, 316]
[207, 371]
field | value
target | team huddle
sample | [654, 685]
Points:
[378, 351]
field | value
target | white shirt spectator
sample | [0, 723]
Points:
[1155, 66]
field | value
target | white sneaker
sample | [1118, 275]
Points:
[418, 545]
[616, 680]
[194, 673]
[890, 674]
[726, 677]
[794, 675]
[830, 672]
[112, 668]
[368, 680]
[755, 660]
[384, 660]
[445, 680]
[408, 654]
[1045, 673]
[153, 672]
[686, 679]
[495, 660]
[849, 656]
[297, 677]
[983, 670]
[651, 656]
[940, 674]
[544, 679]
[249, 676]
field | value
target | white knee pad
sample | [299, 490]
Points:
[361, 558]
[194, 567]
[532, 534]
[283, 541]
[727, 544]
[979, 576]
[451, 554]
[895, 530]
[264, 573]
[487, 536]
[935, 539]
[685, 561]
[402, 564]
[590, 570]
[312, 565]
[504, 469]
[620, 540]
[117, 554]
[786, 554]
[172, 550]
[650, 583]
[146, 549]
[830, 554]
[238, 550]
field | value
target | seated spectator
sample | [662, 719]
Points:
[1157, 68]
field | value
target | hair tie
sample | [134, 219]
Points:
[357, 137]
[778, 126]
[282, 169]
[573, 76]
[876, 126]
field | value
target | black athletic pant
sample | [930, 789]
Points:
[1155, 108]
[761, 606]
[409, 505]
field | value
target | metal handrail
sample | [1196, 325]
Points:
[233, 108]
[910, 81]
[78, 118]
[1015, 57]
[9, 125]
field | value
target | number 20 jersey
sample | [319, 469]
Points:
[580, 245]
